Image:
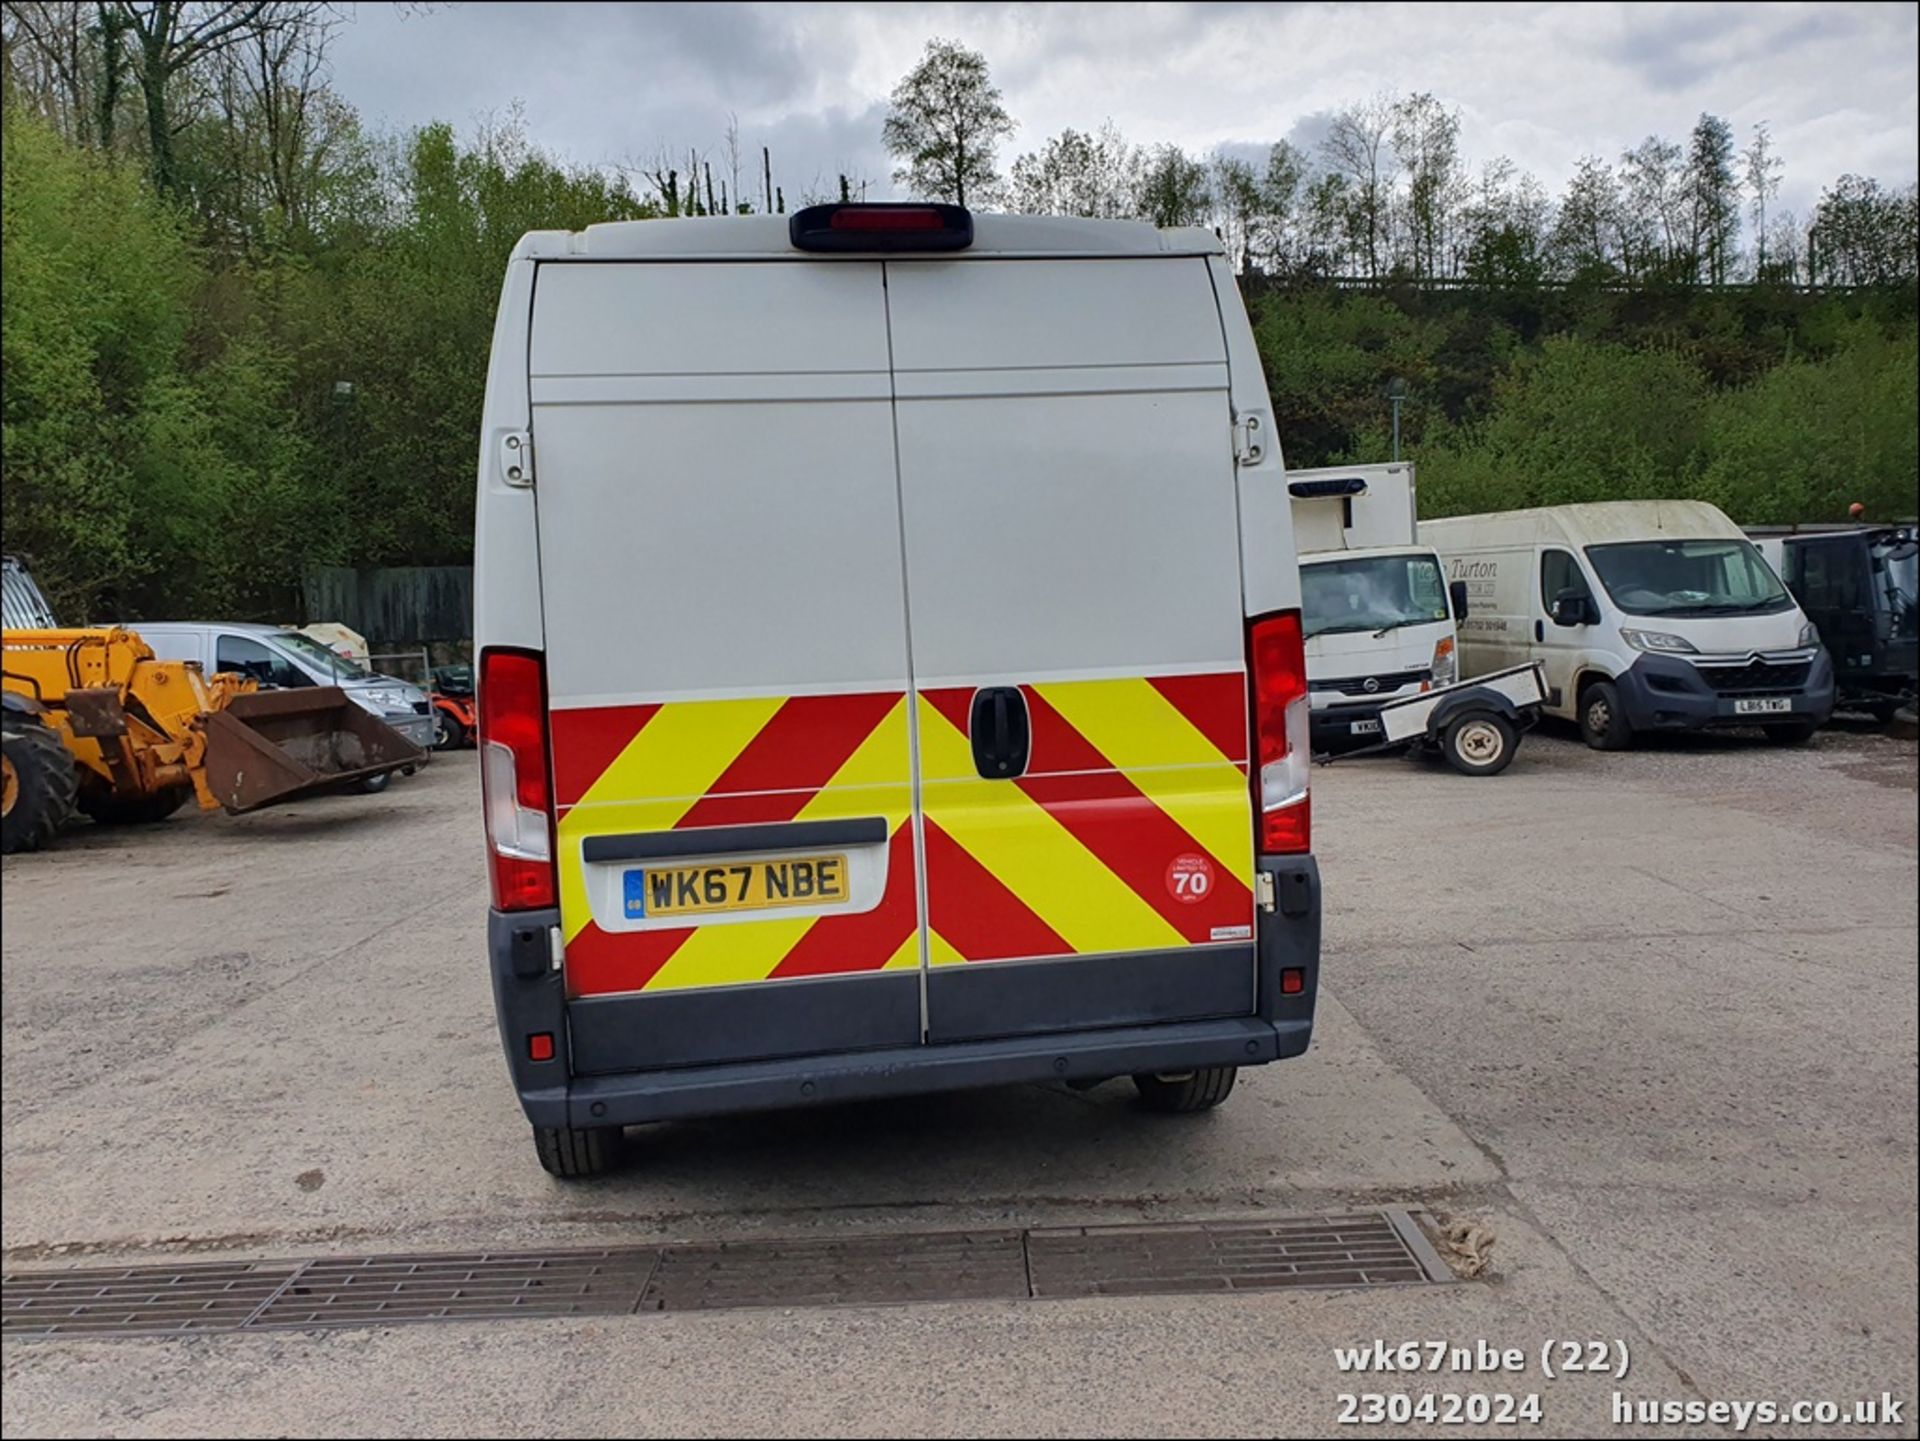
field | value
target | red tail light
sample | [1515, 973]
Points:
[1277, 660]
[514, 780]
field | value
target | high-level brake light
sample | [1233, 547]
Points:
[867, 228]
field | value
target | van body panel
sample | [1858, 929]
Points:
[766, 683]
[1108, 497]
[789, 519]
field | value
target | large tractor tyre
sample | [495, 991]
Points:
[38, 783]
[1186, 1091]
[1603, 719]
[1481, 743]
[139, 811]
[448, 733]
[574, 1155]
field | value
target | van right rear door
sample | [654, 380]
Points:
[1068, 502]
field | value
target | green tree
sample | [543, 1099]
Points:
[945, 125]
[1174, 189]
[1094, 175]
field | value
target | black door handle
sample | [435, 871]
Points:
[1000, 733]
[1539, 630]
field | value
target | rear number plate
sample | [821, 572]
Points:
[1364, 728]
[1765, 705]
[744, 886]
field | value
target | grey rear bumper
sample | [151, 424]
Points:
[529, 998]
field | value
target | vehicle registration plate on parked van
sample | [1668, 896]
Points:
[1364, 728]
[1763, 705]
[742, 886]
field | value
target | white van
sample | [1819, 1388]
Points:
[1378, 617]
[278, 657]
[890, 671]
[1645, 616]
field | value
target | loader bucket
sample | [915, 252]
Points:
[275, 745]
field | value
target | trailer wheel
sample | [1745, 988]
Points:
[574, 1154]
[1603, 720]
[37, 784]
[140, 811]
[1186, 1091]
[1480, 743]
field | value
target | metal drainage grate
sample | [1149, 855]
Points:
[140, 1300]
[378, 1290]
[1372, 1248]
[867, 1270]
[1366, 1250]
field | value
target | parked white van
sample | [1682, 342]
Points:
[1376, 610]
[890, 671]
[1645, 616]
[278, 657]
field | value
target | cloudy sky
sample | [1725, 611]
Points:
[1541, 83]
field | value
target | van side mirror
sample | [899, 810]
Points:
[1457, 593]
[1572, 607]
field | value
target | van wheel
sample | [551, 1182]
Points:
[1178, 1093]
[1797, 734]
[1480, 744]
[373, 785]
[37, 784]
[1603, 720]
[572, 1154]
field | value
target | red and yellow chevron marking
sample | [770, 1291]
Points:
[1130, 780]
[1126, 778]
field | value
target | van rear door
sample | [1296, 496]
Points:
[1068, 493]
[720, 557]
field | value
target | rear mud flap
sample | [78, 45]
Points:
[276, 745]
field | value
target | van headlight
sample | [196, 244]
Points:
[1809, 634]
[1658, 641]
[1446, 662]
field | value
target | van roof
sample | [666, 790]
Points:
[766, 236]
[1598, 522]
[245, 627]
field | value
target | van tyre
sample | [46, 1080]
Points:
[574, 1154]
[139, 811]
[39, 785]
[373, 785]
[1603, 719]
[1186, 1091]
[1797, 734]
[1480, 744]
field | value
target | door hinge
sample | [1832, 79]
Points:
[1263, 890]
[516, 457]
[1249, 440]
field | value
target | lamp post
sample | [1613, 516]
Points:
[1396, 392]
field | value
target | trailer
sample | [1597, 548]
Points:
[1474, 725]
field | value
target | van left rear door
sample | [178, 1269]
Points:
[726, 660]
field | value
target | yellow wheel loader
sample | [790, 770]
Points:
[94, 723]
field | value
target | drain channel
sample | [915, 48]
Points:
[1362, 1249]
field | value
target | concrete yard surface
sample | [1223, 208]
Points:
[1649, 1018]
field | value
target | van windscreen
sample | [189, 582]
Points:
[1371, 593]
[1688, 577]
